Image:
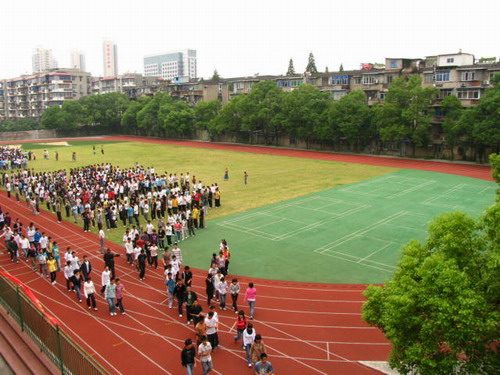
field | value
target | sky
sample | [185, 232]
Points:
[246, 37]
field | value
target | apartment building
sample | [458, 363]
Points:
[197, 91]
[42, 60]
[172, 65]
[131, 84]
[110, 59]
[30, 95]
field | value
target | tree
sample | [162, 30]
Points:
[311, 64]
[53, 118]
[484, 120]
[230, 116]
[341, 68]
[440, 309]
[351, 115]
[216, 77]
[495, 166]
[260, 110]
[291, 69]
[129, 118]
[305, 114]
[405, 115]
[205, 114]
[452, 126]
[326, 69]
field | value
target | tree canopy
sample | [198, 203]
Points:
[291, 69]
[440, 309]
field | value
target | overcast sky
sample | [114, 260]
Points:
[244, 37]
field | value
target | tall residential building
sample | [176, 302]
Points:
[171, 64]
[110, 58]
[78, 60]
[43, 60]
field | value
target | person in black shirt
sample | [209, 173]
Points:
[109, 260]
[187, 276]
[179, 291]
[141, 261]
[188, 355]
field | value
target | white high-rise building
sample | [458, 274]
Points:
[110, 57]
[43, 60]
[78, 60]
[171, 64]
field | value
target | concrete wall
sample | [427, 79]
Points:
[28, 135]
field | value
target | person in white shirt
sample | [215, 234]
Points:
[222, 288]
[177, 252]
[68, 272]
[212, 325]
[248, 339]
[89, 291]
[105, 278]
[137, 252]
[75, 262]
[204, 351]
[129, 251]
[149, 227]
[44, 240]
[25, 245]
[102, 236]
[174, 262]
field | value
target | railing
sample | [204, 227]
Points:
[59, 347]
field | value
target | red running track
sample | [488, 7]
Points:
[307, 328]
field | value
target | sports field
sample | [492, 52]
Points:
[297, 219]
[348, 234]
[322, 219]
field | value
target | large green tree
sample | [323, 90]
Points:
[484, 121]
[261, 110]
[440, 310]
[351, 115]
[452, 126]
[205, 114]
[405, 114]
[305, 114]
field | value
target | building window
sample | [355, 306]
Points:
[428, 78]
[467, 76]
[369, 80]
[468, 94]
[357, 80]
[442, 76]
[340, 80]
[381, 95]
[388, 79]
[393, 64]
[444, 93]
[450, 60]
[492, 74]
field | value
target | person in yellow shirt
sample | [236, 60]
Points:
[52, 267]
[217, 197]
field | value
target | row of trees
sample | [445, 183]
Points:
[305, 113]
[440, 310]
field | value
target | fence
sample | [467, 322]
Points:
[59, 347]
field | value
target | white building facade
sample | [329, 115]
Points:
[110, 59]
[171, 65]
[78, 60]
[43, 60]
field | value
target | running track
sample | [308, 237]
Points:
[307, 328]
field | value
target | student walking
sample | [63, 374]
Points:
[204, 352]
[250, 295]
[222, 288]
[52, 267]
[105, 278]
[76, 280]
[248, 339]
[89, 292]
[241, 325]
[257, 349]
[120, 288]
[110, 295]
[234, 289]
[170, 283]
[188, 356]
[263, 367]
[212, 325]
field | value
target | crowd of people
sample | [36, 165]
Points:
[104, 196]
[143, 250]
[12, 158]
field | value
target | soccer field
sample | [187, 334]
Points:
[348, 234]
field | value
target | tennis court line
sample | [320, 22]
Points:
[352, 261]
[375, 252]
[321, 222]
[411, 189]
[452, 190]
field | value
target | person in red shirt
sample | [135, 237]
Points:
[241, 325]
